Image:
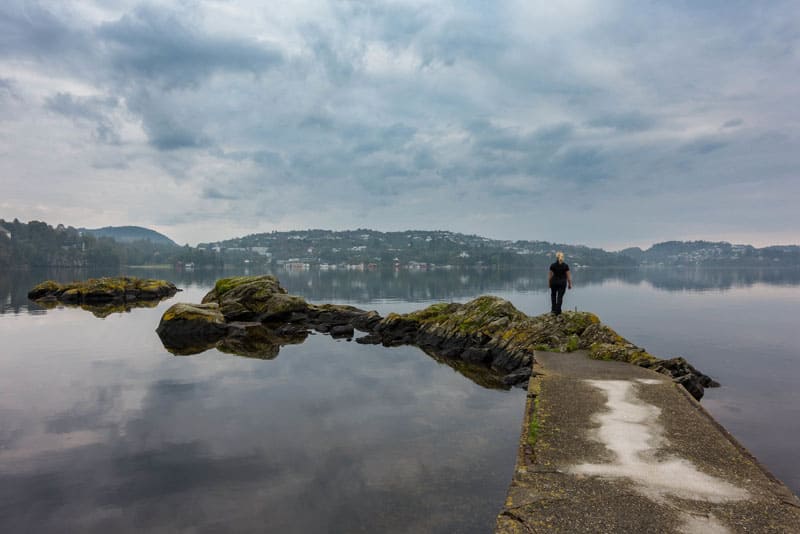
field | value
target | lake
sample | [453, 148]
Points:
[102, 429]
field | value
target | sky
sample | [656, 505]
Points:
[606, 123]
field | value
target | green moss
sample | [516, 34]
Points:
[270, 284]
[533, 423]
[573, 343]
[435, 313]
[189, 312]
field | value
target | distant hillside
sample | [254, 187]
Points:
[714, 253]
[441, 248]
[37, 244]
[129, 234]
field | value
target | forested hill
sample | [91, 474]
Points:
[37, 244]
[714, 253]
[129, 234]
[413, 246]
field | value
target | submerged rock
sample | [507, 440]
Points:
[125, 289]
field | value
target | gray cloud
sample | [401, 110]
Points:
[161, 46]
[448, 116]
[95, 110]
[624, 122]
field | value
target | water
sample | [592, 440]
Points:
[101, 428]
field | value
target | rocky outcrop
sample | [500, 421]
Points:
[254, 298]
[126, 289]
[486, 339]
[254, 316]
[103, 296]
[490, 331]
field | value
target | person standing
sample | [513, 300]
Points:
[559, 279]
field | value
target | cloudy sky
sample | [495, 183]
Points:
[605, 123]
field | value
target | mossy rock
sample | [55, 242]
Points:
[254, 298]
[48, 288]
[95, 290]
[184, 326]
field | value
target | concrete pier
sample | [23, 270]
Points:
[611, 447]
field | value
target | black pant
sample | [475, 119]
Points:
[557, 290]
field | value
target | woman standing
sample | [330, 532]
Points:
[559, 279]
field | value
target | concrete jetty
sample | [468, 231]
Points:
[612, 447]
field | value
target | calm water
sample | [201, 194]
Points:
[101, 428]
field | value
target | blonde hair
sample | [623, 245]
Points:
[560, 257]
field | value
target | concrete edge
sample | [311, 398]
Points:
[525, 451]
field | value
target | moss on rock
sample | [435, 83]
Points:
[124, 289]
[254, 298]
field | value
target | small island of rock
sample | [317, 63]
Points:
[98, 291]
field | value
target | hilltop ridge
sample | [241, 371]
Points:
[129, 234]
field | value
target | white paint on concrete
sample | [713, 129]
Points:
[695, 524]
[629, 429]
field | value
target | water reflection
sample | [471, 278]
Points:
[331, 437]
[421, 286]
[264, 342]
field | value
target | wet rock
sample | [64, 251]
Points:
[684, 373]
[476, 355]
[490, 331]
[369, 339]
[253, 316]
[519, 376]
[344, 330]
[184, 327]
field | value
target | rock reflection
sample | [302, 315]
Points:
[252, 341]
[100, 310]
[264, 342]
[478, 374]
